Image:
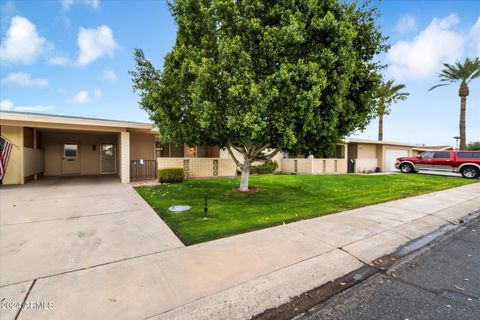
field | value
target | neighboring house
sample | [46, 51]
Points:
[52, 145]
[423, 148]
[371, 154]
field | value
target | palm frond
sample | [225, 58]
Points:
[389, 93]
[438, 85]
[458, 72]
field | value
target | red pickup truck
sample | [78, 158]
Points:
[467, 162]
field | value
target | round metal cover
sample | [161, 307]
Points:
[179, 208]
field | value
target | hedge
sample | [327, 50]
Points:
[170, 175]
[268, 166]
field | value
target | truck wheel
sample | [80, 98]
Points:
[406, 168]
[470, 172]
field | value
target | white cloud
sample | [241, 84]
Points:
[406, 24]
[57, 61]
[424, 55]
[7, 104]
[92, 3]
[109, 75]
[475, 36]
[24, 79]
[95, 43]
[38, 108]
[82, 97]
[22, 43]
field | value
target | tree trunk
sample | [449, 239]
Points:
[463, 93]
[250, 154]
[244, 178]
[463, 107]
[380, 126]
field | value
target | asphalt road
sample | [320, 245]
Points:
[440, 282]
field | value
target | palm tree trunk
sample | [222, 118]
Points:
[380, 126]
[463, 93]
[463, 107]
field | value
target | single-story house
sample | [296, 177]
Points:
[354, 156]
[372, 154]
[424, 148]
[53, 145]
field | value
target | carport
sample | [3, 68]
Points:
[51, 145]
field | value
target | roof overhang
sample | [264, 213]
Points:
[36, 120]
[389, 143]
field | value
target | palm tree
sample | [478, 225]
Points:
[387, 94]
[463, 72]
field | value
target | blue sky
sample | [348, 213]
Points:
[72, 57]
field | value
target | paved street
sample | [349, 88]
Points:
[443, 282]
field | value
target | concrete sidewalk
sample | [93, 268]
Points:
[439, 282]
[241, 276]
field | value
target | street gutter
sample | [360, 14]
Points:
[298, 306]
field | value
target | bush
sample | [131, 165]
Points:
[170, 175]
[475, 145]
[268, 166]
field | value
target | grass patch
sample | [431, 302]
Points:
[281, 198]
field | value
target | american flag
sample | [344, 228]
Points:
[5, 149]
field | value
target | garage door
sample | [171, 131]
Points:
[391, 157]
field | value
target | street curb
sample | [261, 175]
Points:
[301, 304]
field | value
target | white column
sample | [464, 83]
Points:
[125, 157]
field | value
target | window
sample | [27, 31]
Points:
[213, 152]
[442, 155]
[108, 151]
[162, 150]
[28, 137]
[426, 155]
[158, 149]
[202, 152]
[468, 155]
[340, 152]
[70, 150]
[177, 151]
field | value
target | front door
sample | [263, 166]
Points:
[70, 158]
[108, 161]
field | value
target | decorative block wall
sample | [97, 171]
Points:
[314, 166]
[200, 167]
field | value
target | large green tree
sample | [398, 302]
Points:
[463, 73]
[387, 94]
[256, 76]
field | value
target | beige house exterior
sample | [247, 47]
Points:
[52, 145]
[355, 156]
[368, 155]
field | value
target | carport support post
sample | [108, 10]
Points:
[124, 153]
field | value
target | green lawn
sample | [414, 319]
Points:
[281, 198]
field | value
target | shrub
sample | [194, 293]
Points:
[268, 166]
[170, 175]
[475, 145]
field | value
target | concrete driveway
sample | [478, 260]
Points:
[56, 225]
